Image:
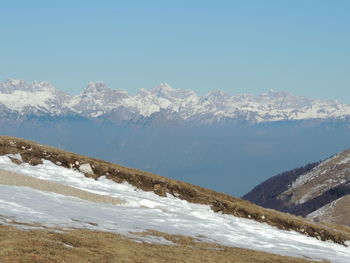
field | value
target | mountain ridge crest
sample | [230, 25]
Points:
[97, 100]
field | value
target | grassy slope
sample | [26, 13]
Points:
[78, 246]
[33, 153]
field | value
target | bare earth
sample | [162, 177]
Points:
[10, 178]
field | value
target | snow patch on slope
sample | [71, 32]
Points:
[328, 174]
[146, 210]
[323, 211]
[314, 173]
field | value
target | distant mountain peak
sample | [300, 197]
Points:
[217, 95]
[98, 100]
[96, 87]
[274, 93]
[163, 89]
[14, 82]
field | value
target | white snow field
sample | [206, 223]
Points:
[146, 210]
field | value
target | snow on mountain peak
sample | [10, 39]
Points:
[12, 85]
[163, 89]
[175, 96]
[278, 94]
[96, 87]
[98, 99]
[36, 98]
[217, 96]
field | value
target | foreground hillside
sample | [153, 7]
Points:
[320, 191]
[43, 188]
[81, 246]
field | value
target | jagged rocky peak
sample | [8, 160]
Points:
[98, 99]
[278, 94]
[37, 98]
[96, 87]
[43, 86]
[12, 85]
[282, 99]
[164, 90]
[99, 89]
[217, 96]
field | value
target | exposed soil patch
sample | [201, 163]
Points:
[9, 178]
[33, 154]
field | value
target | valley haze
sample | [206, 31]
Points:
[210, 140]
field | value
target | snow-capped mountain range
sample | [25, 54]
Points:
[19, 98]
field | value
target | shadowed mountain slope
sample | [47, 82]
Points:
[318, 190]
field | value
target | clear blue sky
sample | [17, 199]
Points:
[301, 46]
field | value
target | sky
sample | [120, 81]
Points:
[247, 46]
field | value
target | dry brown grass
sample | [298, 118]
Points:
[81, 246]
[338, 212]
[326, 172]
[33, 153]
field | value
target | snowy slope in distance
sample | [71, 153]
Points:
[38, 98]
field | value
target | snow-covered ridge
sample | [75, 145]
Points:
[329, 174]
[146, 210]
[98, 100]
[36, 98]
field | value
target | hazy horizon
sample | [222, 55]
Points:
[301, 47]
